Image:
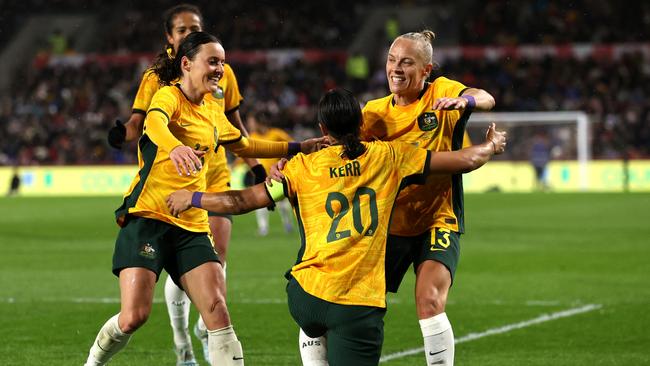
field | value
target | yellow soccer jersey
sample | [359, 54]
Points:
[438, 203]
[227, 99]
[271, 134]
[219, 174]
[343, 209]
[202, 127]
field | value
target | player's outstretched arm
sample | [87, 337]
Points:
[233, 202]
[245, 147]
[472, 98]
[471, 158]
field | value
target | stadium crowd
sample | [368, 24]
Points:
[59, 114]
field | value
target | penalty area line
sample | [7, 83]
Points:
[500, 330]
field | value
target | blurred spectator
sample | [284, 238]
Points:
[540, 155]
[357, 71]
[506, 22]
[58, 42]
[14, 184]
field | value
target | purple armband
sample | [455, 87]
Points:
[294, 148]
[471, 102]
[196, 199]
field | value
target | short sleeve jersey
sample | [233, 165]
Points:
[271, 134]
[343, 209]
[438, 203]
[201, 127]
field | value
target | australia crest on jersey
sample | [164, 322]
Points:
[427, 121]
[218, 94]
[148, 251]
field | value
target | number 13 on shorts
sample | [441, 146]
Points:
[440, 240]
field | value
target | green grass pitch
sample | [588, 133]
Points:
[524, 255]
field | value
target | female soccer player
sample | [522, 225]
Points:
[428, 219]
[343, 197]
[181, 132]
[179, 21]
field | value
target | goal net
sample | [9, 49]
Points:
[545, 151]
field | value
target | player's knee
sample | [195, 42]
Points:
[130, 321]
[217, 314]
[430, 302]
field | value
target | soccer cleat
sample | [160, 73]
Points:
[185, 357]
[203, 337]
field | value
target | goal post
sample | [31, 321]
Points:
[507, 120]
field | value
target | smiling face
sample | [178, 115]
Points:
[183, 24]
[205, 71]
[406, 69]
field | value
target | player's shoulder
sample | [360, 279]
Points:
[378, 104]
[150, 75]
[227, 70]
[169, 94]
[171, 90]
[442, 86]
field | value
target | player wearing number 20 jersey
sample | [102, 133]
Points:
[343, 245]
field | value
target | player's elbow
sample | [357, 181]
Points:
[487, 101]
[473, 162]
[490, 101]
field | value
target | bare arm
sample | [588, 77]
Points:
[228, 202]
[471, 158]
[134, 126]
[484, 101]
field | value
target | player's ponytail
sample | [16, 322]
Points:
[168, 69]
[340, 113]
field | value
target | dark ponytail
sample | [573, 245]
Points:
[168, 69]
[339, 111]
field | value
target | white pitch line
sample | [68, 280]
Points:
[500, 330]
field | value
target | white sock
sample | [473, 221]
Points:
[109, 341]
[225, 349]
[284, 207]
[438, 340]
[262, 216]
[313, 351]
[178, 307]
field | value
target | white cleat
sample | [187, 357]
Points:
[185, 357]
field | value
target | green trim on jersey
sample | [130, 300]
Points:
[457, 179]
[301, 230]
[149, 151]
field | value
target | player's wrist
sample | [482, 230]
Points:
[294, 148]
[471, 101]
[117, 135]
[196, 199]
[259, 172]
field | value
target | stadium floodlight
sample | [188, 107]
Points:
[532, 119]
